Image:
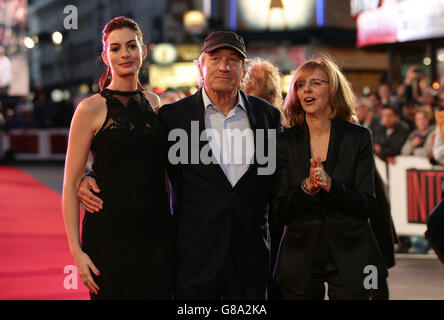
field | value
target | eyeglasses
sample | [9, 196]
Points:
[314, 83]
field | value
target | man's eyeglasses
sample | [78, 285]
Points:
[314, 83]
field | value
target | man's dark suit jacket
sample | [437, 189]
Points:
[214, 217]
[343, 212]
[391, 146]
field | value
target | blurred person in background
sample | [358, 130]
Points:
[25, 111]
[325, 190]
[126, 250]
[419, 141]
[390, 135]
[411, 81]
[365, 114]
[5, 72]
[171, 96]
[401, 93]
[264, 81]
[440, 100]
[435, 228]
[438, 145]
[385, 93]
[408, 110]
[376, 103]
[429, 98]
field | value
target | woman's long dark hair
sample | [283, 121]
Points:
[115, 24]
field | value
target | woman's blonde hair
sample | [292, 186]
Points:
[426, 111]
[340, 94]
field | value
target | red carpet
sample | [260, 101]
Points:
[33, 246]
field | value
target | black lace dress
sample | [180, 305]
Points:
[131, 240]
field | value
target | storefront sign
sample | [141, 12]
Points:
[424, 193]
[261, 15]
[400, 21]
[179, 74]
[164, 53]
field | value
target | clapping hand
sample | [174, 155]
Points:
[318, 176]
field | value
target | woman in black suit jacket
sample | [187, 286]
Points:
[325, 192]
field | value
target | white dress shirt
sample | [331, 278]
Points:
[230, 137]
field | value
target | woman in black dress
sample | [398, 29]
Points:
[126, 249]
[326, 191]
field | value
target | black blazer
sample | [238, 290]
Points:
[391, 146]
[214, 217]
[343, 212]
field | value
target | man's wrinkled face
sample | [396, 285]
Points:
[222, 71]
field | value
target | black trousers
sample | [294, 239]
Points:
[326, 272]
[226, 286]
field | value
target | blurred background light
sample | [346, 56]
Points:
[194, 21]
[57, 37]
[57, 95]
[29, 43]
[84, 88]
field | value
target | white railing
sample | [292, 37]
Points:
[35, 144]
[412, 194]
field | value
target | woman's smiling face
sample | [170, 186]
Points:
[124, 52]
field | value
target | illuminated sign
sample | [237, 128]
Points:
[188, 52]
[400, 21]
[14, 67]
[275, 15]
[164, 53]
[357, 6]
[180, 74]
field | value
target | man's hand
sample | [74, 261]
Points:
[412, 74]
[90, 202]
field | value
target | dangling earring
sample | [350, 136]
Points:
[109, 77]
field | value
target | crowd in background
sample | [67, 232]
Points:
[35, 111]
[405, 122]
[402, 121]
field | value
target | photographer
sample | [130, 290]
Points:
[411, 81]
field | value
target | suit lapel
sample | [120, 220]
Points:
[302, 150]
[333, 146]
[256, 122]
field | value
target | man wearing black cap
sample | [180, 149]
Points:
[221, 207]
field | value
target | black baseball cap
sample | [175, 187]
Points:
[221, 39]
